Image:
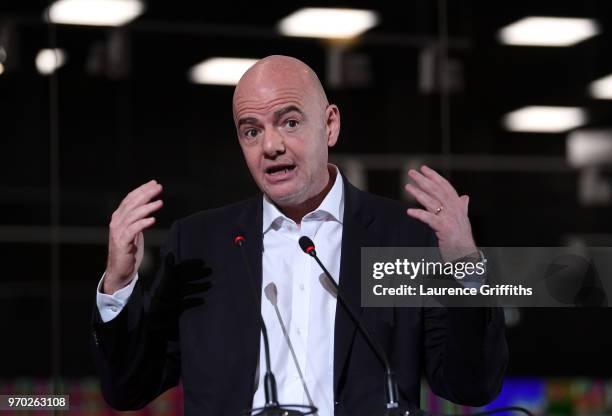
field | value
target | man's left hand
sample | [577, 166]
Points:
[445, 212]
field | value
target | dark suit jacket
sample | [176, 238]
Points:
[196, 322]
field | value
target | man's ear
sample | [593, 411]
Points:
[332, 124]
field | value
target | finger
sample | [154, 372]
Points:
[141, 195]
[144, 194]
[423, 198]
[122, 212]
[140, 212]
[466, 201]
[427, 185]
[439, 179]
[132, 231]
[425, 216]
[135, 191]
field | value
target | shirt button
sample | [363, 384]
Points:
[301, 286]
[298, 331]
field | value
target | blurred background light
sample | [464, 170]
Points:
[542, 119]
[548, 31]
[1, 68]
[220, 71]
[95, 12]
[328, 23]
[49, 60]
[602, 88]
[589, 148]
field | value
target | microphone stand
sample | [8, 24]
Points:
[272, 407]
[272, 296]
[391, 390]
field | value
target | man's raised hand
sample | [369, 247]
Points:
[445, 212]
[125, 239]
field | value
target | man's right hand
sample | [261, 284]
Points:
[125, 239]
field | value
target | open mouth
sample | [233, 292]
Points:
[279, 170]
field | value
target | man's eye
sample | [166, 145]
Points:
[292, 123]
[251, 133]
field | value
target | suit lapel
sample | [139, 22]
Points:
[355, 234]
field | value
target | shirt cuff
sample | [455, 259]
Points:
[110, 306]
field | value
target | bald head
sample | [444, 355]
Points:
[279, 72]
[285, 126]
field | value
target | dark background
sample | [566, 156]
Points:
[123, 122]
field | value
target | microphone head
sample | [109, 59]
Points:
[239, 237]
[271, 293]
[307, 245]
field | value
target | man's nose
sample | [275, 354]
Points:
[273, 143]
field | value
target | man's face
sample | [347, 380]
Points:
[284, 132]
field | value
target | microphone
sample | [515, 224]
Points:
[391, 390]
[272, 295]
[271, 407]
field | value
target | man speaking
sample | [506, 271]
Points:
[195, 322]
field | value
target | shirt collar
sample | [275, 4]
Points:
[332, 204]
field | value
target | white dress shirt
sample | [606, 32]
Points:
[306, 308]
